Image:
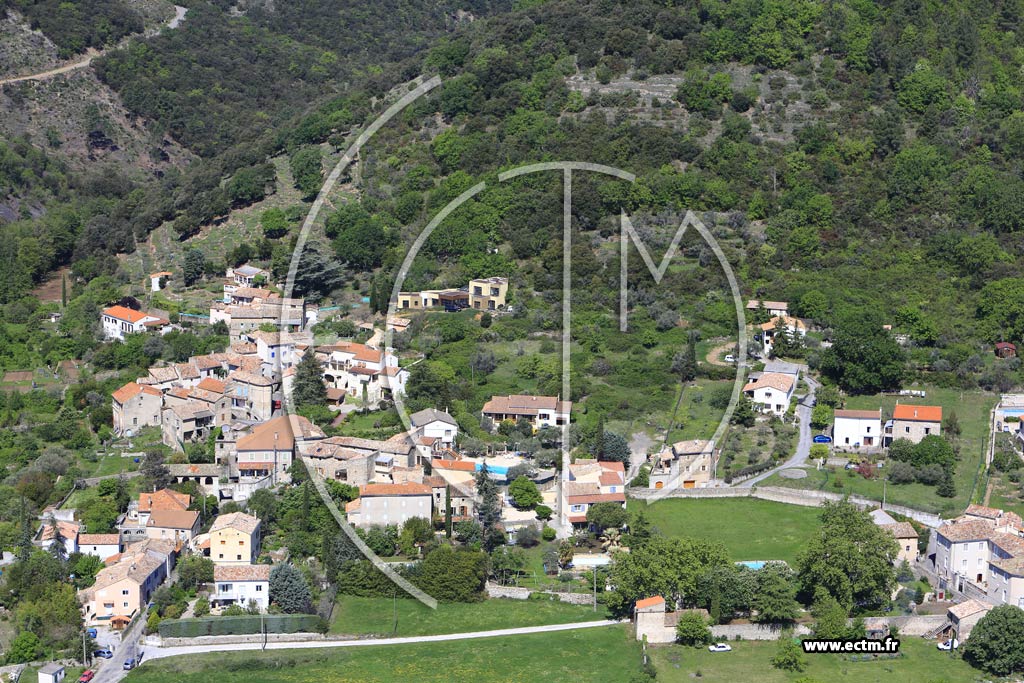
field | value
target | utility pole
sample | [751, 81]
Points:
[595, 588]
[85, 661]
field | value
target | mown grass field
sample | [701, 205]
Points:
[359, 616]
[751, 529]
[751, 661]
[598, 655]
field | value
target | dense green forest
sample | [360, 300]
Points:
[77, 26]
[860, 156]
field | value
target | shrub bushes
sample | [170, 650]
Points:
[240, 625]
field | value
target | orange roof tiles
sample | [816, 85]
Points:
[650, 602]
[905, 411]
[370, 490]
[164, 499]
[124, 313]
[212, 384]
[458, 465]
[131, 390]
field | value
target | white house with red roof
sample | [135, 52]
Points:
[540, 411]
[121, 320]
[361, 371]
[771, 392]
[590, 482]
[857, 430]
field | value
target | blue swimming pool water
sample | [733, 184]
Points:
[753, 564]
[497, 469]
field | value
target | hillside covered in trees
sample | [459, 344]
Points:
[861, 160]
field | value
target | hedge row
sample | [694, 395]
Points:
[749, 470]
[239, 625]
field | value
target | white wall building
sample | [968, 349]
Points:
[241, 583]
[119, 321]
[857, 430]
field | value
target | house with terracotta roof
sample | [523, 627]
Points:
[66, 531]
[774, 308]
[279, 350]
[332, 460]
[857, 430]
[656, 624]
[244, 276]
[964, 616]
[135, 406]
[241, 584]
[590, 482]
[122, 589]
[235, 539]
[792, 327]
[982, 553]
[362, 371]
[179, 526]
[390, 504]
[251, 394]
[539, 411]
[462, 498]
[912, 422]
[488, 294]
[906, 538]
[688, 464]
[132, 525]
[102, 546]
[771, 392]
[267, 452]
[119, 321]
[186, 422]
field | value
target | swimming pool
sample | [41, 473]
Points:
[754, 564]
[496, 469]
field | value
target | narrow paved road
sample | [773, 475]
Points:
[112, 670]
[803, 446]
[153, 652]
[91, 54]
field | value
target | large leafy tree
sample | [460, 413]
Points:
[851, 558]
[864, 357]
[997, 642]
[775, 599]
[663, 566]
[524, 493]
[607, 515]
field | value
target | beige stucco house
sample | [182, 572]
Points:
[235, 539]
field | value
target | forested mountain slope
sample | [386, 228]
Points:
[868, 154]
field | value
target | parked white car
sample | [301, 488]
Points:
[730, 358]
[720, 647]
[951, 644]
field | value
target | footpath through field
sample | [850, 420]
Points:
[155, 652]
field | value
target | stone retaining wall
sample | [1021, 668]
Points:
[519, 593]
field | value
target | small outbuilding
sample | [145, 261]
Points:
[51, 673]
[1006, 350]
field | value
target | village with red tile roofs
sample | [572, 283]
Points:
[286, 486]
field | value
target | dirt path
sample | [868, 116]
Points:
[91, 54]
[714, 353]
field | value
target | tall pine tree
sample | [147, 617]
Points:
[309, 389]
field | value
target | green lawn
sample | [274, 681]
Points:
[750, 661]
[751, 529]
[359, 616]
[600, 655]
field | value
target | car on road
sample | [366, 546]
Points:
[92, 632]
[950, 644]
[86, 676]
[129, 664]
[851, 465]
[720, 647]
[103, 653]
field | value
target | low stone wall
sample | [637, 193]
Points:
[519, 593]
[250, 638]
[753, 631]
